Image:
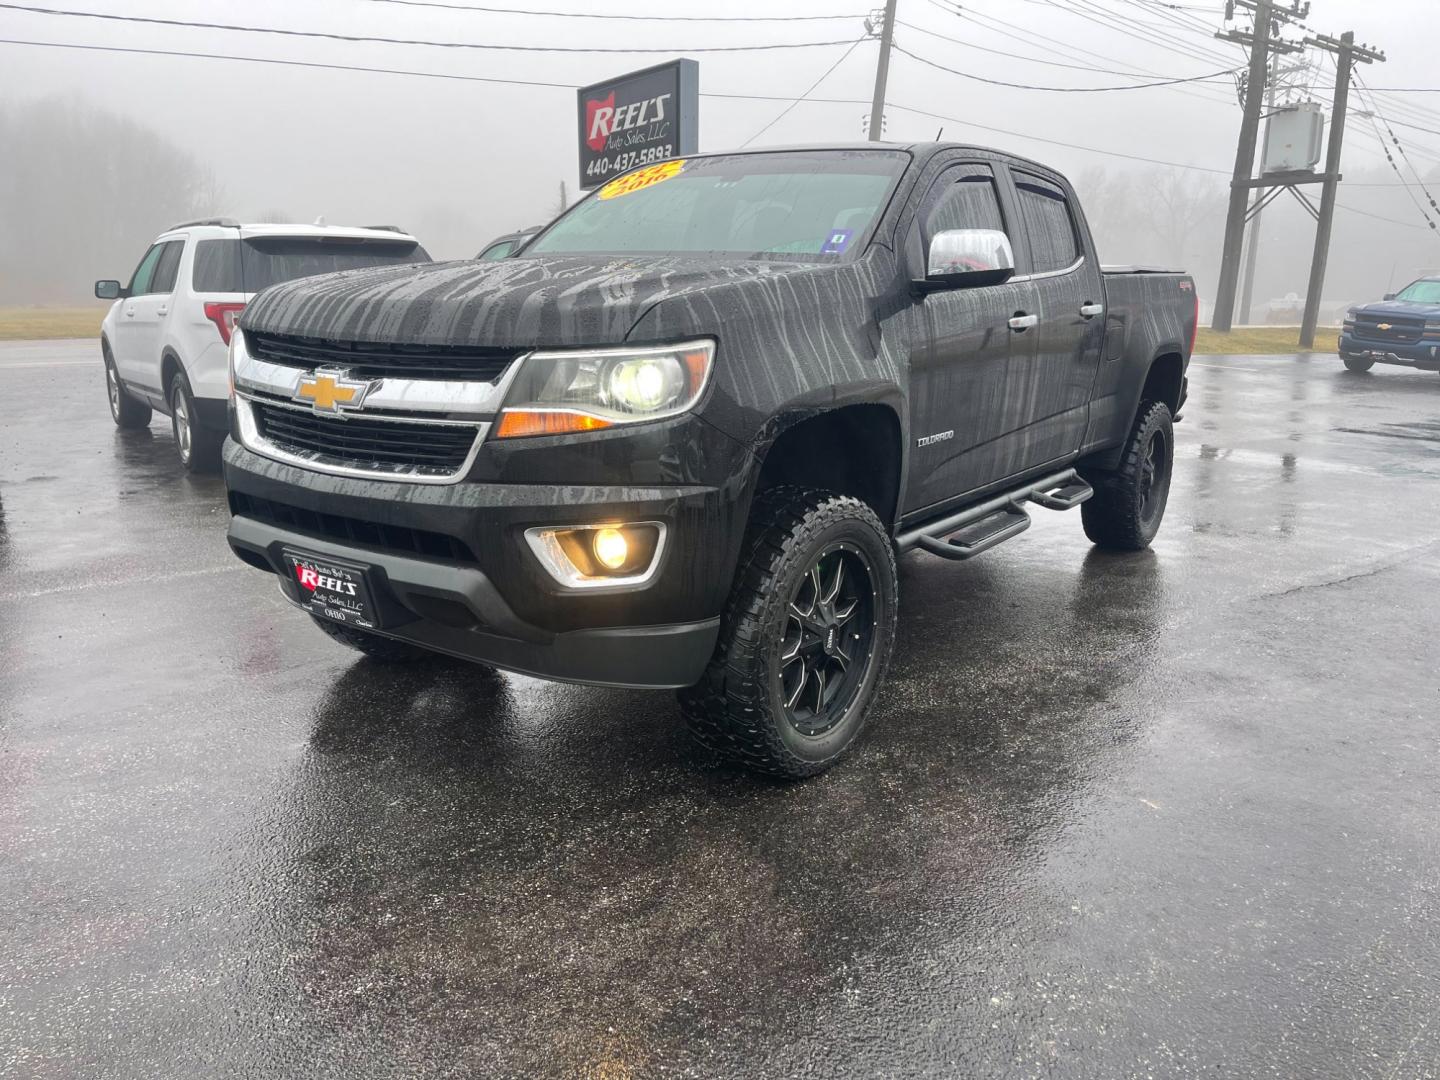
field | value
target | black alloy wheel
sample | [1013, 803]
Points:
[829, 638]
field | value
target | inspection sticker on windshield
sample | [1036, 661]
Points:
[642, 178]
[837, 242]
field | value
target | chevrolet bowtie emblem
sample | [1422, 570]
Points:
[330, 391]
[1382, 326]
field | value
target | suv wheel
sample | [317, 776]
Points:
[805, 637]
[198, 447]
[1358, 364]
[124, 409]
[1129, 502]
[387, 650]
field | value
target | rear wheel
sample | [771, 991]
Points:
[384, 649]
[1358, 364]
[197, 446]
[1129, 502]
[805, 637]
[124, 409]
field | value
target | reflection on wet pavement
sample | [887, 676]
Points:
[1167, 814]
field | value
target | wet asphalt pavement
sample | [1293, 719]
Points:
[1164, 815]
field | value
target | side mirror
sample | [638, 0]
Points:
[109, 290]
[961, 258]
[1388, 296]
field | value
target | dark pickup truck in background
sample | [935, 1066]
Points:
[1403, 329]
[679, 441]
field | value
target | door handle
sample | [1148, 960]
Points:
[1022, 322]
[129, 312]
[161, 310]
[1091, 310]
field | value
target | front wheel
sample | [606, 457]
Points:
[124, 409]
[1129, 502]
[1358, 364]
[805, 637]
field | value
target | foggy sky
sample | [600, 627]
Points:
[459, 162]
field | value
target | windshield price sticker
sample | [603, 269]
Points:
[636, 181]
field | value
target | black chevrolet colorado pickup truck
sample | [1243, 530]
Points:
[680, 440]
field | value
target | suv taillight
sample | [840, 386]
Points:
[224, 316]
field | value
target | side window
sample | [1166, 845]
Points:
[967, 200]
[166, 268]
[1054, 244]
[145, 272]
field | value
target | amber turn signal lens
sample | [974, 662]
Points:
[518, 423]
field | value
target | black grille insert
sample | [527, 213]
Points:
[1401, 330]
[348, 530]
[368, 360]
[383, 446]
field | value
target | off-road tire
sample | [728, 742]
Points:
[1358, 365]
[129, 414]
[387, 650]
[737, 709]
[1119, 516]
[197, 446]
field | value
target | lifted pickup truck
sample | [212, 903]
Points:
[679, 441]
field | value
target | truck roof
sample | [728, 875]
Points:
[920, 149]
[260, 228]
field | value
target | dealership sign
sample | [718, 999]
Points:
[641, 118]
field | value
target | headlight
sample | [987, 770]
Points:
[588, 390]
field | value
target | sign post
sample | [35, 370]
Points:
[642, 118]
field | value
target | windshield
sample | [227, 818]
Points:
[247, 266]
[807, 205]
[1421, 292]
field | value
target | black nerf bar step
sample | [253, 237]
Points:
[980, 535]
[979, 528]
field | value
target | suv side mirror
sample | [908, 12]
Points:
[109, 289]
[964, 258]
[1388, 296]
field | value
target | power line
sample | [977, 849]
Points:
[1376, 115]
[366, 39]
[813, 86]
[1016, 56]
[485, 9]
[1062, 89]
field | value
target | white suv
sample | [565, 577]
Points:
[166, 338]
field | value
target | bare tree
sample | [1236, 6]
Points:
[82, 192]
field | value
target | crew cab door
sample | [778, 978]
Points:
[1057, 379]
[142, 317]
[963, 405]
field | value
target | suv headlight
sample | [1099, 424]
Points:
[591, 389]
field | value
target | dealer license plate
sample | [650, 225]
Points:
[333, 589]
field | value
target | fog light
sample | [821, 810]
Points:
[594, 556]
[611, 548]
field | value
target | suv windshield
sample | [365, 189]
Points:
[805, 205]
[1421, 292]
[247, 266]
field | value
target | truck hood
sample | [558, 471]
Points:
[545, 301]
[1400, 309]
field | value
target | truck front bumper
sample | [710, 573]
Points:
[485, 597]
[1424, 354]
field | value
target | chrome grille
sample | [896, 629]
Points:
[368, 360]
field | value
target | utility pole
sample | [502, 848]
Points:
[1252, 249]
[1267, 16]
[882, 69]
[1347, 53]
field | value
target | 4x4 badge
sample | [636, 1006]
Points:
[330, 390]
